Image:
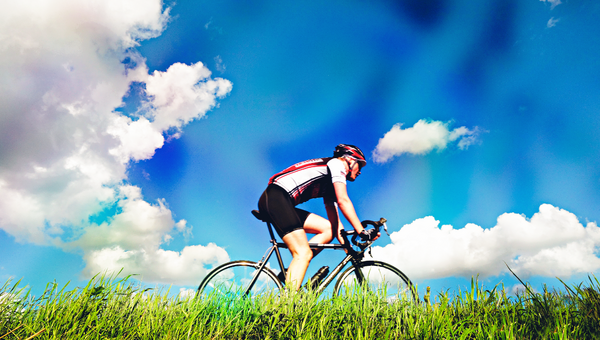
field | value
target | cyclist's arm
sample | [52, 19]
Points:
[346, 206]
[334, 218]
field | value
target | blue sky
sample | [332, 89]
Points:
[140, 135]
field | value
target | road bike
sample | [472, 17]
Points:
[362, 275]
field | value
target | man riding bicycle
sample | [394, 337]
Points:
[321, 177]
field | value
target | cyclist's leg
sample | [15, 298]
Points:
[288, 222]
[301, 256]
[321, 227]
[298, 244]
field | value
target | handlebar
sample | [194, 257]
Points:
[377, 225]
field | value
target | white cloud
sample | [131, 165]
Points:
[422, 138]
[64, 150]
[552, 22]
[179, 94]
[187, 267]
[551, 243]
[139, 224]
[219, 64]
[131, 240]
[186, 293]
[138, 139]
[553, 3]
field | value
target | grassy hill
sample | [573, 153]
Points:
[119, 309]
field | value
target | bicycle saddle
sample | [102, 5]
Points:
[260, 216]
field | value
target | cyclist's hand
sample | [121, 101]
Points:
[369, 235]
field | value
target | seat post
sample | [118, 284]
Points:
[277, 253]
[271, 232]
[267, 220]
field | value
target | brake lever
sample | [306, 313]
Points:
[385, 228]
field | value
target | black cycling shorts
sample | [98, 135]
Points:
[278, 205]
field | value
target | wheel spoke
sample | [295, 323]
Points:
[233, 279]
[380, 279]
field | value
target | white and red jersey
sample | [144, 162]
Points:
[311, 179]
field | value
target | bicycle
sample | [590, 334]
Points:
[255, 278]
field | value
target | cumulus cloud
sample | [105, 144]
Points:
[552, 243]
[422, 138]
[180, 93]
[64, 147]
[158, 265]
[131, 240]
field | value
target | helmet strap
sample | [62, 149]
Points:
[350, 165]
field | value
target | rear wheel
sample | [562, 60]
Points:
[375, 277]
[234, 278]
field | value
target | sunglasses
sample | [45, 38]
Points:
[359, 167]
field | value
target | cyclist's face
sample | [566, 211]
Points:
[354, 171]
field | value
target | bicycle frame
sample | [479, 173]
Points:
[375, 276]
[351, 256]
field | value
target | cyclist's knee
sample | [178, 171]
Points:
[303, 254]
[328, 235]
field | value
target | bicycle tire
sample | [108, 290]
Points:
[382, 278]
[232, 278]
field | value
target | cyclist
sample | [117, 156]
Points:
[321, 177]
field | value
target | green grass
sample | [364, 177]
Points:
[108, 308]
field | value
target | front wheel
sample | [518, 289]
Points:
[234, 278]
[376, 277]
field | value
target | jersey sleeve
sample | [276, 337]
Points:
[338, 171]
